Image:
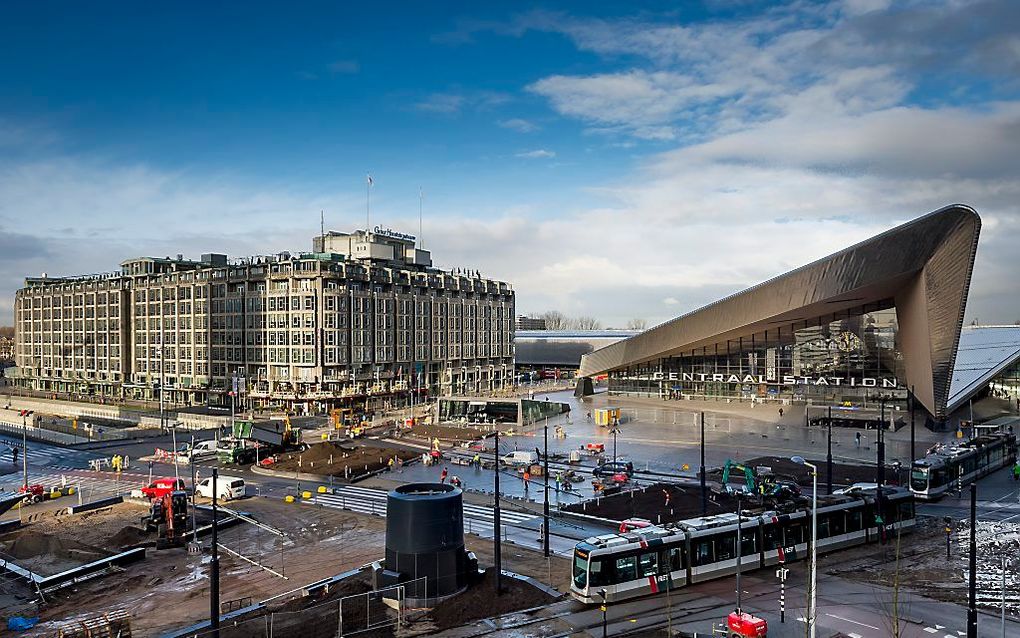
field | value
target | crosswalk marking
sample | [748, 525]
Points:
[372, 501]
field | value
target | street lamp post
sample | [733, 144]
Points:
[605, 628]
[880, 472]
[812, 610]
[497, 549]
[545, 484]
[614, 432]
[828, 455]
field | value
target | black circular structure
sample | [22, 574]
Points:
[425, 539]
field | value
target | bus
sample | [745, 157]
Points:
[651, 560]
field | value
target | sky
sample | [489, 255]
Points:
[631, 160]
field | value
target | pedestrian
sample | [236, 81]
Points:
[527, 479]
[443, 475]
[665, 493]
[857, 437]
[1016, 471]
[780, 413]
[14, 455]
[389, 465]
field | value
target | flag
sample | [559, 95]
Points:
[369, 180]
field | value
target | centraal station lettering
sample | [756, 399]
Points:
[760, 379]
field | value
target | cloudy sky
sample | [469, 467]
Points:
[631, 162]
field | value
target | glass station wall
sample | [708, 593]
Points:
[851, 357]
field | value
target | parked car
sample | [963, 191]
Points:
[161, 487]
[614, 467]
[227, 488]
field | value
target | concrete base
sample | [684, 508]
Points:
[584, 387]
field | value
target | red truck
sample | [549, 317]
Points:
[163, 486]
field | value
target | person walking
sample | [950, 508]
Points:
[443, 475]
[780, 413]
[1016, 470]
[857, 437]
[527, 480]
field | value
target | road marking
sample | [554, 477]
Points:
[937, 626]
[853, 621]
[851, 635]
[930, 630]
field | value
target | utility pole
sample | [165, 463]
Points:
[24, 448]
[880, 473]
[704, 488]
[781, 574]
[828, 455]
[972, 624]
[214, 568]
[496, 549]
[913, 400]
[545, 477]
[739, 551]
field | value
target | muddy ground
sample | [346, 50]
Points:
[447, 433]
[650, 503]
[170, 588]
[333, 459]
[924, 568]
[784, 468]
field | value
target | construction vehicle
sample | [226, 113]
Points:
[760, 481]
[33, 493]
[169, 517]
[269, 432]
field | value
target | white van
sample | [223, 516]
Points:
[227, 487]
[521, 457]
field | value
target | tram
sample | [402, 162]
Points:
[653, 559]
[949, 468]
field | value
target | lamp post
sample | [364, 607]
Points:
[739, 552]
[602, 592]
[814, 537]
[614, 432]
[497, 550]
[880, 472]
[704, 488]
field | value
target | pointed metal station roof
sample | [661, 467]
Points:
[984, 352]
[924, 265]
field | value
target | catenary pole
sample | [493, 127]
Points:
[496, 548]
[828, 454]
[214, 568]
[880, 473]
[704, 487]
[545, 483]
[972, 623]
[913, 400]
[739, 551]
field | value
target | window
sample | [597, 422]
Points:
[725, 546]
[648, 564]
[854, 521]
[676, 559]
[701, 553]
[773, 537]
[793, 534]
[626, 569]
[749, 543]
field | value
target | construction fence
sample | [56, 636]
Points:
[369, 614]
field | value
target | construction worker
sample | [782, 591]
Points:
[527, 480]
[389, 464]
[1016, 470]
[476, 460]
[115, 463]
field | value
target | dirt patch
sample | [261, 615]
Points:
[785, 469]
[480, 601]
[333, 459]
[650, 503]
[448, 433]
[129, 536]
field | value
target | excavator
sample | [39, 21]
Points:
[759, 481]
[169, 518]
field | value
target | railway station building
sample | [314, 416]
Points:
[871, 323]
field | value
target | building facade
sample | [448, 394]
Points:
[364, 318]
[530, 323]
[868, 325]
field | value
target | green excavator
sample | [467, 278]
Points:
[760, 482]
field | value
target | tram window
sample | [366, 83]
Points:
[749, 544]
[725, 546]
[598, 575]
[626, 569]
[837, 525]
[793, 534]
[823, 526]
[648, 564]
[773, 537]
[906, 510]
[701, 552]
[854, 522]
[676, 558]
[889, 513]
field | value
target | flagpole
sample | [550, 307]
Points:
[368, 202]
[421, 199]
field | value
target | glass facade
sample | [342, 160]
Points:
[851, 357]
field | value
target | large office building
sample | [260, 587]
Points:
[363, 318]
[868, 324]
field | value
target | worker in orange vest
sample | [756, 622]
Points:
[527, 479]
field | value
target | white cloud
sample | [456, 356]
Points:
[452, 103]
[539, 153]
[518, 124]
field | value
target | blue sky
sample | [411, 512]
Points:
[621, 160]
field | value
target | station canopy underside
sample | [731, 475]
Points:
[889, 307]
